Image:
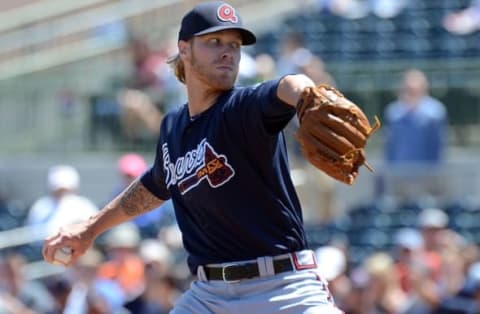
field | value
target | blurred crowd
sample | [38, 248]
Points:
[137, 267]
[461, 22]
[140, 267]
[429, 269]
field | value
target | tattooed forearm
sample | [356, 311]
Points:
[136, 200]
[133, 201]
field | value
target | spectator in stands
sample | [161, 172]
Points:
[81, 291]
[415, 123]
[159, 296]
[433, 222]
[408, 245]
[139, 116]
[151, 90]
[18, 294]
[106, 297]
[467, 300]
[358, 301]
[82, 276]
[411, 269]
[129, 167]
[383, 290]
[415, 139]
[60, 287]
[430, 278]
[452, 270]
[294, 57]
[123, 265]
[160, 291]
[135, 106]
[156, 256]
[465, 21]
[146, 62]
[62, 205]
[457, 257]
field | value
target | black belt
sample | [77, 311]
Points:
[236, 272]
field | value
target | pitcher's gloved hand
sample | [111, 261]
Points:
[333, 132]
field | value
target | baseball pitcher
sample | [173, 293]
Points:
[221, 158]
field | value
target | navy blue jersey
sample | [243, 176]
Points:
[227, 174]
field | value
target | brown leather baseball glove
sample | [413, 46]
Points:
[333, 132]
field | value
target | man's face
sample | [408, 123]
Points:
[214, 59]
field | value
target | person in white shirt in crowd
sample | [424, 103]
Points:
[63, 205]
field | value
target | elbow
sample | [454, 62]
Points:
[292, 86]
[297, 81]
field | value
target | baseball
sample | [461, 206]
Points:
[62, 256]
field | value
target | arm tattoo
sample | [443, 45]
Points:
[136, 199]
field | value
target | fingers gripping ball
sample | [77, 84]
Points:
[333, 132]
[62, 256]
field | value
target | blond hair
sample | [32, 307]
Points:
[178, 67]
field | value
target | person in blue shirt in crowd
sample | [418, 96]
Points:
[222, 160]
[416, 124]
[415, 140]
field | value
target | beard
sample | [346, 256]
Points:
[208, 74]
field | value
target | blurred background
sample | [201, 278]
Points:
[84, 86]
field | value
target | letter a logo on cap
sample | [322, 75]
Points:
[226, 13]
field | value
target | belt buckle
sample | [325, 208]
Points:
[223, 273]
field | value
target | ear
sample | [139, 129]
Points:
[183, 48]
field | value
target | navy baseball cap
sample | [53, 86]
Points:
[210, 17]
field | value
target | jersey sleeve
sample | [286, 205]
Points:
[154, 178]
[264, 111]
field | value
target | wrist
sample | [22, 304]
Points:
[93, 228]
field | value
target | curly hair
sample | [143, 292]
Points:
[178, 67]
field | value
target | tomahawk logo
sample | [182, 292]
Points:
[202, 163]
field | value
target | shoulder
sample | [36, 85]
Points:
[434, 102]
[259, 91]
[394, 110]
[264, 86]
[42, 202]
[434, 108]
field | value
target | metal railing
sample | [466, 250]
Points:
[26, 235]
